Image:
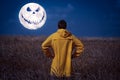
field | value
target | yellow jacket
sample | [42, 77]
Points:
[62, 43]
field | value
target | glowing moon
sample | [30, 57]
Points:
[32, 16]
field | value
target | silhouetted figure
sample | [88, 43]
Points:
[62, 43]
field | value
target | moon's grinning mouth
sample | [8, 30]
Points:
[29, 22]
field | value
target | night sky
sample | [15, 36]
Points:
[85, 18]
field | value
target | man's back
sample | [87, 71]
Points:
[62, 47]
[62, 42]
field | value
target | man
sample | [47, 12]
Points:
[62, 43]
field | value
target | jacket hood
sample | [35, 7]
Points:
[64, 33]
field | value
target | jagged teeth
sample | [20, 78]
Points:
[33, 21]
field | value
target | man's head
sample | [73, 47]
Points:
[62, 24]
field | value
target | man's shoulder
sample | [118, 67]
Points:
[57, 35]
[53, 34]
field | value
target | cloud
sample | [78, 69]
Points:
[65, 9]
[70, 7]
[118, 3]
[60, 11]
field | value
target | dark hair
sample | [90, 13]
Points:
[62, 24]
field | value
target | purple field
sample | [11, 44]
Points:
[21, 58]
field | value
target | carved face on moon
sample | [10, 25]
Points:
[32, 16]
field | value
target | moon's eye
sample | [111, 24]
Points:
[37, 9]
[28, 9]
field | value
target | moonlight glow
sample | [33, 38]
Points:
[32, 16]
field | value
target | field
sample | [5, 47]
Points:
[21, 58]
